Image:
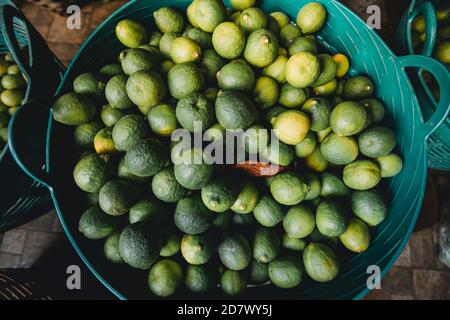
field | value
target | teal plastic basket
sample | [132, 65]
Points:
[24, 198]
[439, 141]
[344, 32]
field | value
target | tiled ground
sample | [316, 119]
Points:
[417, 274]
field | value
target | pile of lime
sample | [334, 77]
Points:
[200, 225]
[12, 92]
[441, 50]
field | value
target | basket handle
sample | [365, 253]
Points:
[41, 68]
[442, 76]
[427, 10]
[28, 138]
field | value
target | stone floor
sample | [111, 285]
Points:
[417, 274]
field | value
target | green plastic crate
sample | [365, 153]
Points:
[439, 141]
[344, 32]
[24, 198]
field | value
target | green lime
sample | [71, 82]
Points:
[370, 206]
[320, 262]
[291, 126]
[326, 89]
[211, 63]
[252, 19]
[184, 79]
[137, 59]
[261, 48]
[201, 279]
[266, 92]
[14, 69]
[302, 44]
[442, 51]
[129, 131]
[192, 172]
[278, 154]
[116, 197]
[348, 118]
[110, 70]
[12, 98]
[95, 224]
[202, 38]
[357, 237]
[70, 109]
[289, 188]
[171, 243]
[168, 20]
[332, 186]
[311, 17]
[234, 110]
[236, 75]
[165, 43]
[150, 210]
[302, 69]
[166, 188]
[299, 222]
[342, 64]
[286, 272]
[390, 165]
[331, 218]
[234, 251]
[268, 212]
[339, 150]
[162, 119]
[116, 93]
[195, 112]
[255, 139]
[272, 113]
[266, 244]
[316, 161]
[146, 89]
[361, 175]
[111, 248]
[197, 249]
[276, 69]
[292, 97]
[318, 111]
[307, 146]
[258, 272]
[242, 4]
[376, 108]
[184, 49]
[131, 33]
[155, 36]
[92, 172]
[233, 282]
[219, 194]
[281, 18]
[192, 216]
[146, 158]
[206, 14]
[228, 40]
[377, 142]
[293, 243]
[358, 87]
[165, 277]
[314, 184]
[13, 81]
[247, 198]
[84, 134]
[327, 70]
[288, 34]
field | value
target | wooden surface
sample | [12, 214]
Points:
[417, 274]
